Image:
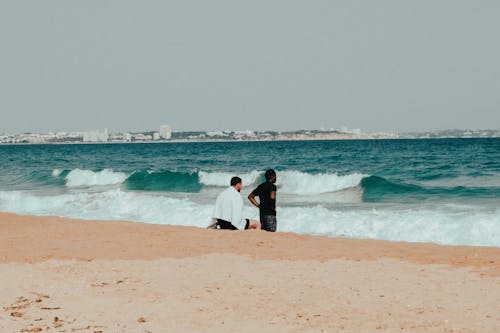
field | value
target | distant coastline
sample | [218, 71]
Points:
[233, 136]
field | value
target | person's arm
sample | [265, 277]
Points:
[273, 193]
[251, 197]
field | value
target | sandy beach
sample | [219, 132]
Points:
[64, 275]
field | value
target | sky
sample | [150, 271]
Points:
[381, 66]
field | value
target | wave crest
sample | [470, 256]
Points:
[289, 182]
[295, 182]
[378, 189]
[222, 179]
[79, 178]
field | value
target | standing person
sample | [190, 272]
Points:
[267, 197]
[228, 209]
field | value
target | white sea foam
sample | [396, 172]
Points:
[466, 181]
[222, 179]
[446, 224]
[109, 205]
[78, 177]
[295, 182]
[56, 172]
[289, 182]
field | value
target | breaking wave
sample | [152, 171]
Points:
[77, 178]
[445, 224]
[290, 182]
[223, 178]
[379, 189]
[373, 188]
[295, 182]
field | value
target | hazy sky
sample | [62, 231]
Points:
[210, 65]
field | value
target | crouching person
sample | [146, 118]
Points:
[228, 211]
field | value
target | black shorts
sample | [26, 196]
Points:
[229, 226]
[268, 223]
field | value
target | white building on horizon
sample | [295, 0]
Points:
[351, 131]
[165, 132]
[96, 136]
[142, 137]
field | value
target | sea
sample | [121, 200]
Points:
[444, 191]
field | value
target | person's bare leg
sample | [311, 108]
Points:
[254, 224]
[213, 224]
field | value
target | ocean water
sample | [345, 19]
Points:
[444, 191]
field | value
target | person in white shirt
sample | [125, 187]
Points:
[228, 210]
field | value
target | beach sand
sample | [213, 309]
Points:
[65, 275]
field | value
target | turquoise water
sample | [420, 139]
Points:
[441, 190]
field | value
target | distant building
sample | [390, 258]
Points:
[96, 136]
[165, 132]
[156, 136]
[240, 135]
[116, 137]
[142, 137]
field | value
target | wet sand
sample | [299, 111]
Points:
[64, 275]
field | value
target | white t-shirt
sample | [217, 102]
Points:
[229, 206]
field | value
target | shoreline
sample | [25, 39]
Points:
[153, 241]
[67, 275]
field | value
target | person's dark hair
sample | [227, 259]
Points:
[235, 180]
[270, 174]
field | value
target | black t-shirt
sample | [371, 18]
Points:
[267, 205]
